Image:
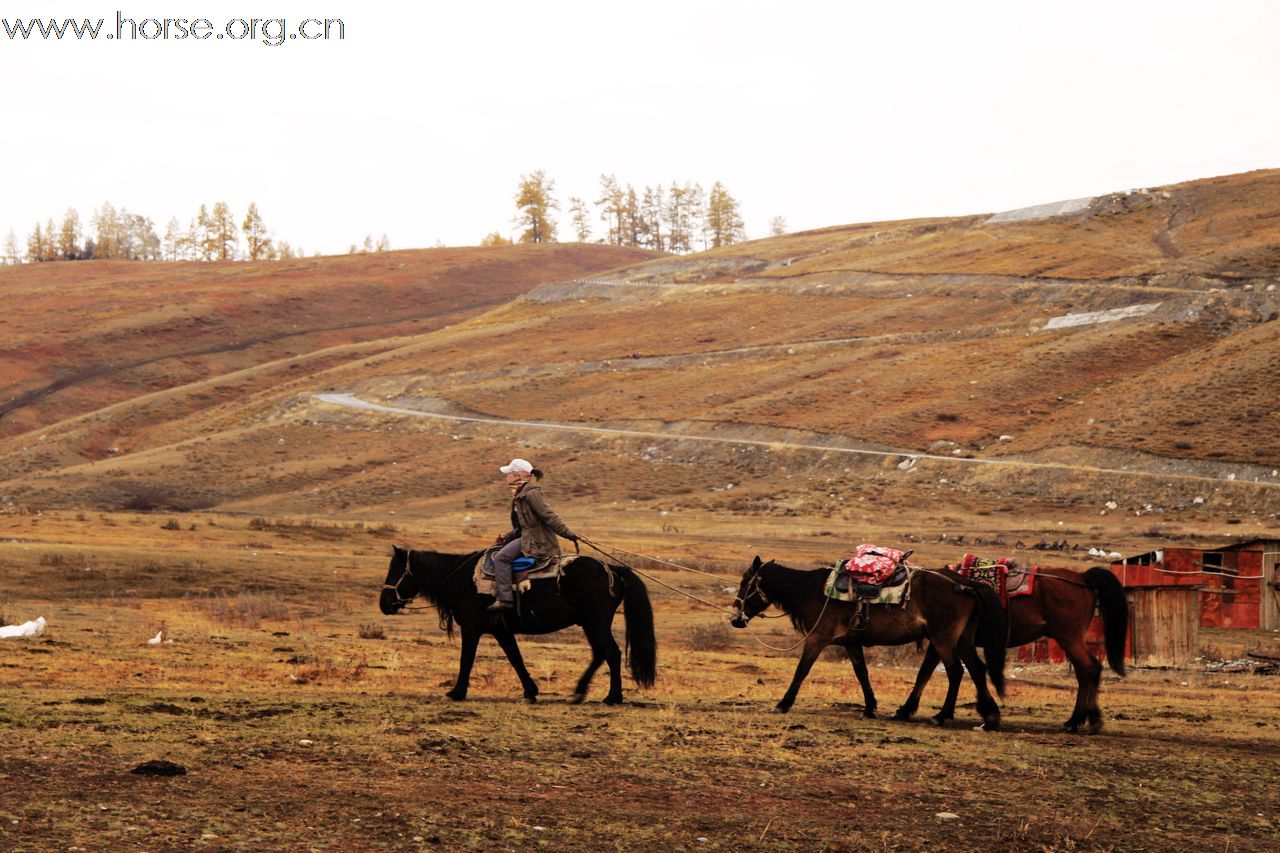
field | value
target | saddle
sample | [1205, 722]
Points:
[843, 586]
[1005, 575]
[874, 575]
[524, 571]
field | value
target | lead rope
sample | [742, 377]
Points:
[802, 640]
[713, 605]
[827, 599]
[613, 556]
[654, 559]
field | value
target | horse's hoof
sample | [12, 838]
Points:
[992, 725]
[938, 720]
[456, 695]
[613, 700]
[903, 715]
[530, 700]
[779, 709]
[1072, 726]
[869, 713]
[577, 698]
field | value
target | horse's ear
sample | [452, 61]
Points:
[396, 550]
[755, 564]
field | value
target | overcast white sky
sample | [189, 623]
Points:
[420, 122]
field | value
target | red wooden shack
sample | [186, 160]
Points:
[1232, 586]
[1238, 581]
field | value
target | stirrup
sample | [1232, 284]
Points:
[499, 606]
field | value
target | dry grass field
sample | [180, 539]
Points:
[305, 719]
[166, 465]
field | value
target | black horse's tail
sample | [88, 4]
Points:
[1114, 608]
[993, 633]
[642, 645]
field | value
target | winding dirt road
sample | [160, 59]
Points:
[350, 401]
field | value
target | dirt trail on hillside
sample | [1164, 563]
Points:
[909, 458]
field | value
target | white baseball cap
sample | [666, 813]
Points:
[520, 465]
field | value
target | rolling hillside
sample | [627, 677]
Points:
[1124, 352]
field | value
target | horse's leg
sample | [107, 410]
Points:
[603, 648]
[813, 646]
[927, 666]
[470, 640]
[580, 692]
[955, 675]
[507, 640]
[1088, 678]
[945, 647]
[859, 661]
[613, 657]
[988, 708]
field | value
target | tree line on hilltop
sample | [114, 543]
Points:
[679, 218]
[214, 234]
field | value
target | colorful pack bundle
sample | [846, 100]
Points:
[874, 564]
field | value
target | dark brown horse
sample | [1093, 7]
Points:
[1060, 607]
[587, 593]
[953, 614]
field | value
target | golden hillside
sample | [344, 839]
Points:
[917, 377]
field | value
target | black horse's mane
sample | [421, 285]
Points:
[447, 591]
[783, 595]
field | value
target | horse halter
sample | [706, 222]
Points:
[401, 601]
[745, 593]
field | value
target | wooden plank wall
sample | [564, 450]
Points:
[1166, 625]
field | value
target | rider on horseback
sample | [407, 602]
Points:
[534, 528]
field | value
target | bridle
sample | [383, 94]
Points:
[747, 591]
[401, 601]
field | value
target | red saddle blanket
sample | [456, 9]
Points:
[1004, 575]
[874, 563]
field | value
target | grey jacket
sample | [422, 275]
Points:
[536, 523]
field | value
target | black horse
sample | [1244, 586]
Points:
[954, 614]
[587, 593]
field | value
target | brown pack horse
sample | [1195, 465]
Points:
[952, 613]
[1060, 607]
